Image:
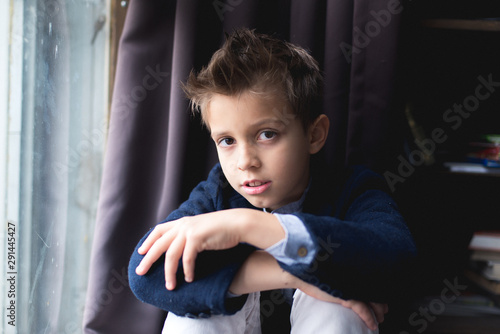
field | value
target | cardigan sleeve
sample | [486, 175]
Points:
[364, 249]
[214, 270]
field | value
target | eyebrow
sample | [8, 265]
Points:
[254, 125]
[267, 121]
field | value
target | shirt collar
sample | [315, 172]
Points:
[292, 207]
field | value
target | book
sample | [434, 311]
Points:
[485, 240]
[465, 305]
[485, 255]
[492, 270]
[492, 286]
[484, 266]
[487, 269]
[469, 167]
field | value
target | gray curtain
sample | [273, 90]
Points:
[157, 152]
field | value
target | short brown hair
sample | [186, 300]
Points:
[255, 62]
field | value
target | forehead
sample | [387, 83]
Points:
[247, 109]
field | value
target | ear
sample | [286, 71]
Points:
[318, 132]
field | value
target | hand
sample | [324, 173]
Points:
[187, 237]
[218, 230]
[380, 310]
[362, 309]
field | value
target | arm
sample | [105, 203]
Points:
[317, 272]
[261, 272]
[364, 247]
[225, 229]
[187, 237]
[214, 269]
[211, 272]
[361, 248]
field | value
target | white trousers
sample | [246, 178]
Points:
[308, 315]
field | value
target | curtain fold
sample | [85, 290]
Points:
[157, 152]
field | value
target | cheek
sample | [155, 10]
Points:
[297, 157]
[294, 153]
[228, 166]
[286, 163]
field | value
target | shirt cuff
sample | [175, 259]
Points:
[297, 247]
[231, 295]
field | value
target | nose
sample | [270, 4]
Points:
[247, 158]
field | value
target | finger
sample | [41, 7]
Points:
[159, 248]
[172, 257]
[365, 313]
[379, 310]
[188, 260]
[157, 233]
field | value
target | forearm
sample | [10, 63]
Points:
[261, 272]
[207, 294]
[259, 228]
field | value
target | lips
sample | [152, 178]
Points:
[256, 187]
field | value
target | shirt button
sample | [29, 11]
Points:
[302, 251]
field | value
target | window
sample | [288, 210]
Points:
[54, 87]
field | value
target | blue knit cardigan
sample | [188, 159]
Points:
[364, 248]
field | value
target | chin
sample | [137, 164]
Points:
[258, 204]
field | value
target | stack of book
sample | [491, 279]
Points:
[486, 151]
[485, 261]
[480, 156]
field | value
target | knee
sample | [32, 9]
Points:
[345, 320]
[310, 315]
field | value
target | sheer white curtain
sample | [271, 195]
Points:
[55, 94]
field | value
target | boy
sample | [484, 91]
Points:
[333, 237]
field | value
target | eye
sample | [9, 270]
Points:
[225, 142]
[267, 135]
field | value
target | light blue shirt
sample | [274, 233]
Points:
[297, 246]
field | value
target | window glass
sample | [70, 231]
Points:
[53, 138]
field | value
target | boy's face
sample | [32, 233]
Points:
[263, 148]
